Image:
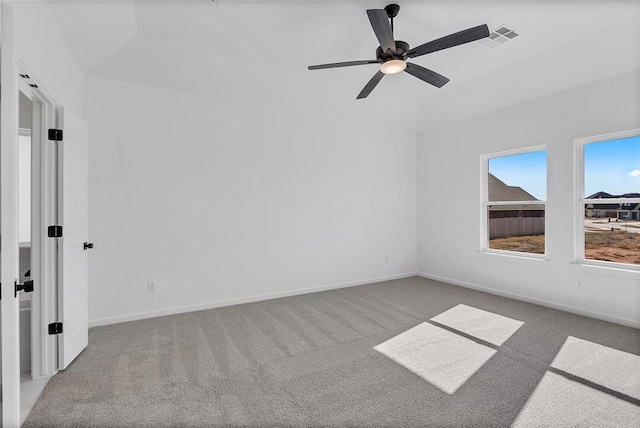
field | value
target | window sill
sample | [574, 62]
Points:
[511, 257]
[595, 268]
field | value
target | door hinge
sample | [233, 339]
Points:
[55, 328]
[55, 135]
[54, 231]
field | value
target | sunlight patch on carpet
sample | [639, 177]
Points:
[600, 364]
[440, 357]
[560, 402]
[490, 327]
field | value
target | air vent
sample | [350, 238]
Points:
[500, 35]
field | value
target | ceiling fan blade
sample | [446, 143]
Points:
[381, 26]
[427, 75]
[342, 64]
[455, 39]
[371, 85]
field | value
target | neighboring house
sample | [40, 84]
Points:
[499, 191]
[627, 211]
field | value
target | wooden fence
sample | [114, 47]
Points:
[515, 226]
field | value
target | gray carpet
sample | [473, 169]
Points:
[309, 360]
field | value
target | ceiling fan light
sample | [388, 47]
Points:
[393, 66]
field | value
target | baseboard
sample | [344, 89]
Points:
[250, 299]
[553, 305]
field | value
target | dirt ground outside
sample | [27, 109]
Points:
[616, 246]
[612, 246]
[523, 244]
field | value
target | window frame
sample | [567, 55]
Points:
[580, 201]
[485, 203]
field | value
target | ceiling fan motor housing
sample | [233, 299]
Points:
[401, 52]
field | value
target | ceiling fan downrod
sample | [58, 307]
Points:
[392, 11]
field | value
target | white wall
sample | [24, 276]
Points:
[24, 189]
[25, 112]
[219, 200]
[39, 44]
[449, 197]
[25, 119]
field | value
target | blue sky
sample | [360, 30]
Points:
[528, 170]
[612, 166]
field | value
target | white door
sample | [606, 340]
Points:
[73, 216]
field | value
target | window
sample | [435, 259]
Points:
[608, 200]
[514, 191]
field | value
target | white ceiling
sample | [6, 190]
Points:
[259, 51]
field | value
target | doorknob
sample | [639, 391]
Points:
[27, 287]
[88, 245]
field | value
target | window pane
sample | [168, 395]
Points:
[515, 180]
[612, 168]
[612, 230]
[516, 228]
[520, 177]
[612, 240]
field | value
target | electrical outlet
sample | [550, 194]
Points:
[151, 285]
[579, 283]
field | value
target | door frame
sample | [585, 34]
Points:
[44, 309]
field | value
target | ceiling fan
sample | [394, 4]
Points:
[392, 54]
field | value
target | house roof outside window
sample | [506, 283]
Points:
[500, 191]
[605, 195]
